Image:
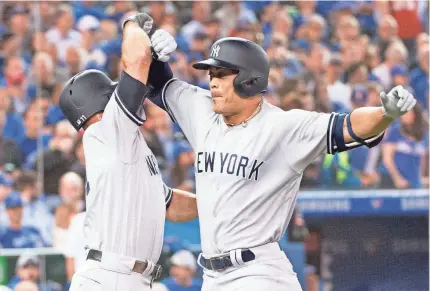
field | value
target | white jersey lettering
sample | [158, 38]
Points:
[247, 177]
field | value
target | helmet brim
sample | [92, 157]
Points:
[207, 64]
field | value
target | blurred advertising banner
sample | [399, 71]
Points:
[370, 253]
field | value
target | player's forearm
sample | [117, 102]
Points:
[136, 52]
[366, 122]
[183, 207]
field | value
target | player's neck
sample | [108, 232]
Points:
[245, 115]
[93, 119]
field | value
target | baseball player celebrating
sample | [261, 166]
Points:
[126, 197]
[250, 158]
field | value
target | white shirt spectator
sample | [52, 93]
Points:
[184, 258]
[60, 238]
[382, 72]
[63, 43]
[191, 28]
[340, 93]
[88, 22]
[230, 18]
[76, 241]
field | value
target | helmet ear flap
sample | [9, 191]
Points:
[250, 83]
[246, 85]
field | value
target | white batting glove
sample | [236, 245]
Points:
[397, 102]
[163, 44]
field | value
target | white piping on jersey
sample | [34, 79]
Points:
[130, 115]
[168, 194]
[330, 125]
[163, 99]
[356, 143]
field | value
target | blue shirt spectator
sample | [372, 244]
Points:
[5, 189]
[36, 212]
[25, 237]
[173, 285]
[81, 9]
[28, 145]
[403, 150]
[54, 115]
[14, 127]
[101, 55]
[182, 273]
[419, 81]
[16, 235]
[28, 269]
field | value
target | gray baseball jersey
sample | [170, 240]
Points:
[125, 193]
[247, 177]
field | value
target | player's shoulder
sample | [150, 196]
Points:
[292, 116]
[93, 139]
[179, 86]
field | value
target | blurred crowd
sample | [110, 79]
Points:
[325, 56]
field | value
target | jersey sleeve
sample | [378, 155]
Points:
[123, 115]
[188, 105]
[305, 135]
[168, 195]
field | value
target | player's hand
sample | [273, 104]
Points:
[397, 102]
[163, 44]
[142, 19]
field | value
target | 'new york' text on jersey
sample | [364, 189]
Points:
[247, 176]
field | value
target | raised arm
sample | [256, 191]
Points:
[310, 134]
[367, 122]
[136, 52]
[366, 125]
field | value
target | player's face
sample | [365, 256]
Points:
[225, 100]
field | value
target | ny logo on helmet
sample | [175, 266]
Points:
[215, 51]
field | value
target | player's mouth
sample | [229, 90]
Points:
[216, 95]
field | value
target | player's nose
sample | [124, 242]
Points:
[213, 83]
